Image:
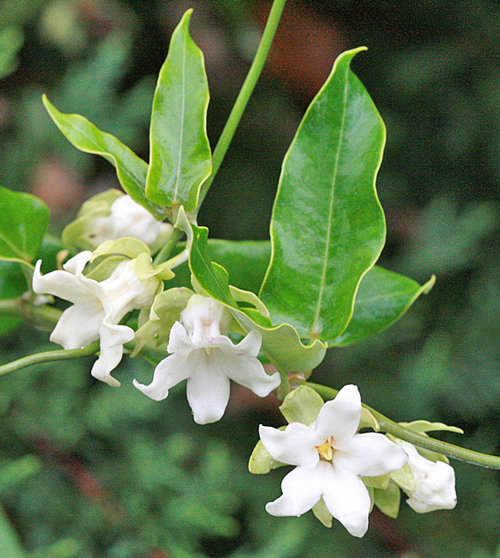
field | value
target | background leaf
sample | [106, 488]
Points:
[383, 297]
[130, 169]
[23, 222]
[328, 226]
[11, 40]
[180, 153]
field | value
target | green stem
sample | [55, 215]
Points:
[245, 93]
[408, 435]
[164, 253]
[48, 356]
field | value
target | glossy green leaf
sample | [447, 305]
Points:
[327, 227]
[130, 169]
[180, 152]
[383, 297]
[246, 262]
[23, 222]
[12, 285]
[212, 277]
[281, 344]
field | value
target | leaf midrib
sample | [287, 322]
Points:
[322, 284]
[183, 112]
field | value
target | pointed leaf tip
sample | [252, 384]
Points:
[327, 227]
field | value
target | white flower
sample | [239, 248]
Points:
[129, 219]
[432, 486]
[208, 359]
[97, 308]
[330, 458]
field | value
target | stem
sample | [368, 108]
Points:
[168, 247]
[244, 94]
[408, 435]
[48, 356]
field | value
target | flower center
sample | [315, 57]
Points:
[325, 450]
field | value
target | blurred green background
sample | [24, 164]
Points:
[88, 471]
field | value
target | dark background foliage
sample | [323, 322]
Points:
[89, 471]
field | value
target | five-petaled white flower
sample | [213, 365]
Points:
[330, 458]
[98, 308]
[433, 484]
[208, 359]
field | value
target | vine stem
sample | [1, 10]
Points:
[168, 247]
[390, 427]
[244, 94]
[49, 356]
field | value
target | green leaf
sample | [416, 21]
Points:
[12, 285]
[383, 298]
[281, 344]
[23, 222]
[261, 462]
[328, 227]
[246, 261]
[424, 426]
[166, 309]
[388, 500]
[180, 153]
[212, 277]
[130, 169]
[321, 513]
[302, 405]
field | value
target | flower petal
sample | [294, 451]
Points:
[245, 370]
[78, 325]
[250, 345]
[370, 455]
[62, 284]
[340, 418]
[435, 482]
[296, 445]
[179, 341]
[169, 372]
[207, 389]
[77, 263]
[346, 498]
[302, 488]
[113, 337]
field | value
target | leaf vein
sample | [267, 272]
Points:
[315, 329]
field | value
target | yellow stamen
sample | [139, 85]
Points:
[208, 350]
[325, 450]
